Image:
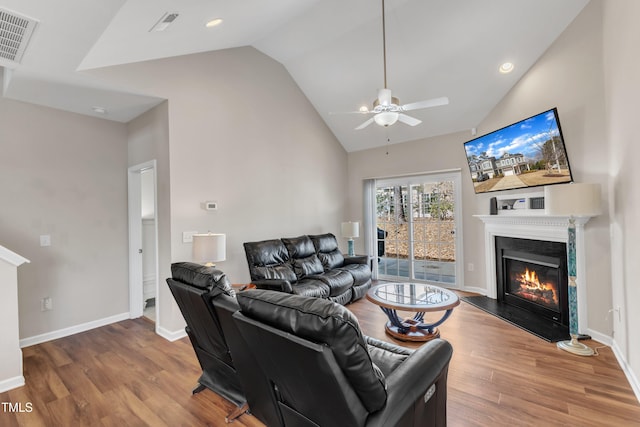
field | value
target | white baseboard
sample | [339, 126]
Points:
[631, 376]
[600, 337]
[11, 383]
[476, 290]
[170, 335]
[61, 333]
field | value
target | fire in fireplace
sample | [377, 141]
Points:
[532, 275]
[534, 282]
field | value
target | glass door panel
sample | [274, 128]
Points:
[416, 229]
[391, 224]
[433, 234]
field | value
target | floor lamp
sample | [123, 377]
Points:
[573, 200]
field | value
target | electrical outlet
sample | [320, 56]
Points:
[47, 304]
[470, 266]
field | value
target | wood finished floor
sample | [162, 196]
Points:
[125, 375]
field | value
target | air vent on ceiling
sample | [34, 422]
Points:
[164, 22]
[15, 32]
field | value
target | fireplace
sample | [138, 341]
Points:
[530, 226]
[532, 275]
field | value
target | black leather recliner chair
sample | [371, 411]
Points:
[324, 372]
[207, 303]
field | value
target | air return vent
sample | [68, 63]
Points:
[164, 22]
[15, 32]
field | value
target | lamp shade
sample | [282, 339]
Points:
[350, 229]
[572, 199]
[209, 248]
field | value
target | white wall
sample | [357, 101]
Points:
[568, 76]
[149, 140]
[147, 194]
[243, 134]
[64, 175]
[10, 355]
[622, 83]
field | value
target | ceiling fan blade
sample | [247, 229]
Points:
[408, 120]
[384, 96]
[435, 102]
[332, 113]
[365, 124]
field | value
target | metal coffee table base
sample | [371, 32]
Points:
[412, 329]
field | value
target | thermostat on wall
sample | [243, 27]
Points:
[211, 206]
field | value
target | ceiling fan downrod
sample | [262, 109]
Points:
[384, 46]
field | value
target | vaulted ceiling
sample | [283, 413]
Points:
[333, 49]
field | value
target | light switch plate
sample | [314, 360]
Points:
[187, 236]
[45, 240]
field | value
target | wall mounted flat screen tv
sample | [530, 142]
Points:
[529, 153]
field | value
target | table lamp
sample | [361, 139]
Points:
[573, 200]
[350, 230]
[209, 248]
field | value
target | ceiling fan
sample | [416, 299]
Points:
[386, 108]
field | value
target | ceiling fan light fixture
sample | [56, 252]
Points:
[386, 118]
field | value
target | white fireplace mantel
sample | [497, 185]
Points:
[536, 227]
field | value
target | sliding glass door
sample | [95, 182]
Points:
[416, 228]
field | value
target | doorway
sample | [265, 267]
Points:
[417, 228]
[143, 237]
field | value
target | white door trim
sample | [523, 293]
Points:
[135, 238]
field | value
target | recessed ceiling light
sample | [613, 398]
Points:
[99, 110]
[214, 23]
[507, 67]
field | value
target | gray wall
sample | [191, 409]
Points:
[149, 140]
[622, 83]
[243, 134]
[64, 175]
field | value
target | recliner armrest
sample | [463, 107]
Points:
[357, 259]
[274, 285]
[411, 379]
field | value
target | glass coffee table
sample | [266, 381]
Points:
[417, 297]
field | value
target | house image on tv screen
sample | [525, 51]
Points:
[528, 153]
[484, 167]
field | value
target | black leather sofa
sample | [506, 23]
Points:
[310, 266]
[324, 372]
